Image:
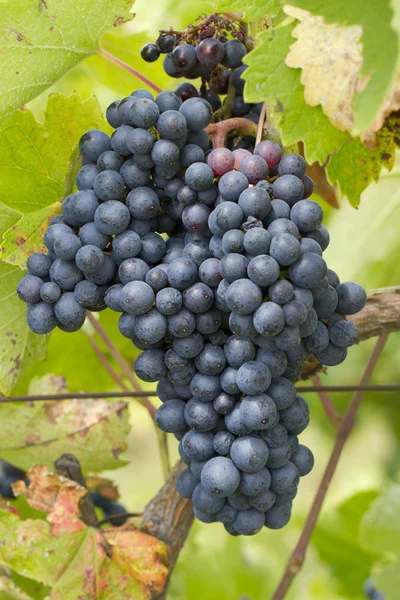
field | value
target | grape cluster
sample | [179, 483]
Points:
[214, 260]
[9, 475]
[371, 592]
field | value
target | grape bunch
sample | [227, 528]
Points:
[214, 260]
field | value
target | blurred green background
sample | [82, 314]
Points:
[365, 246]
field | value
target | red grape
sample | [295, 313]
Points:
[270, 151]
[239, 155]
[221, 160]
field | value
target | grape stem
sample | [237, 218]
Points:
[129, 69]
[346, 426]
[119, 516]
[227, 108]
[260, 126]
[218, 131]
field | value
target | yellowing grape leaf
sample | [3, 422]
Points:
[19, 347]
[37, 166]
[40, 41]
[350, 164]
[93, 430]
[329, 56]
[380, 50]
[77, 561]
[268, 77]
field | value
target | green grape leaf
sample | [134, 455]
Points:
[93, 430]
[251, 9]
[19, 347]
[38, 162]
[25, 236]
[40, 41]
[10, 591]
[380, 526]
[354, 166]
[377, 32]
[336, 539]
[380, 532]
[81, 561]
[67, 352]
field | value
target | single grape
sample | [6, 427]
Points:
[221, 160]
[210, 52]
[150, 52]
[270, 151]
[234, 52]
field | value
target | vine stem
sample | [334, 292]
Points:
[120, 360]
[106, 364]
[326, 401]
[298, 555]
[140, 395]
[110, 57]
[302, 389]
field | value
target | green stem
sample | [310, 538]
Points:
[227, 109]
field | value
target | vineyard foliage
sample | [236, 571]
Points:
[330, 76]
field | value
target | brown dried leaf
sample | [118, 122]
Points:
[391, 105]
[55, 495]
[72, 558]
[330, 57]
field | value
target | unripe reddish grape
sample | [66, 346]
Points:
[239, 155]
[270, 151]
[221, 160]
[255, 168]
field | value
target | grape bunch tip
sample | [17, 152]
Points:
[214, 260]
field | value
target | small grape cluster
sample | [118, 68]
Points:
[9, 475]
[109, 508]
[226, 309]
[207, 54]
[371, 592]
[199, 50]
